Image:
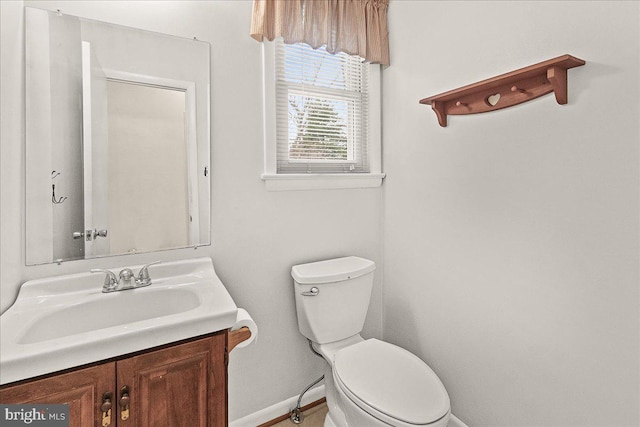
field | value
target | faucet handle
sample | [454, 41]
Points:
[110, 280]
[143, 275]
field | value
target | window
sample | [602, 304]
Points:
[322, 124]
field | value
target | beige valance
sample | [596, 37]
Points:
[356, 27]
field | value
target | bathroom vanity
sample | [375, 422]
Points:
[150, 356]
[180, 384]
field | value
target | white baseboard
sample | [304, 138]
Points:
[278, 409]
[455, 422]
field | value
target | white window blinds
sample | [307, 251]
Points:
[321, 110]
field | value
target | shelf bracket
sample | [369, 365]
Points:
[558, 78]
[438, 107]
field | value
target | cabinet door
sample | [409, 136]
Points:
[179, 386]
[82, 390]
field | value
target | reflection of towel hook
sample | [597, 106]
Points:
[56, 174]
[53, 196]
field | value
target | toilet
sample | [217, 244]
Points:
[368, 383]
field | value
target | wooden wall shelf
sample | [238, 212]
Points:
[506, 90]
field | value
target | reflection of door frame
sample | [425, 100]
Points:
[87, 142]
[189, 88]
[94, 147]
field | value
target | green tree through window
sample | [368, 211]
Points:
[320, 130]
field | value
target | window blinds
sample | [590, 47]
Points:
[321, 110]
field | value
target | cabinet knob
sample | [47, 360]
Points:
[124, 403]
[124, 400]
[106, 403]
[106, 409]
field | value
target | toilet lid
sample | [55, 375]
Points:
[391, 380]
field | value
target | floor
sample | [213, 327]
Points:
[313, 417]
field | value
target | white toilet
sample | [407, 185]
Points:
[368, 383]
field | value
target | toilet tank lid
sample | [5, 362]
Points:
[332, 270]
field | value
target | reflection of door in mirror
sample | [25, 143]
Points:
[148, 191]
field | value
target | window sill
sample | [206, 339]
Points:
[292, 182]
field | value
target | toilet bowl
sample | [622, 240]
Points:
[368, 383]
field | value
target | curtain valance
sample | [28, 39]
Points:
[356, 27]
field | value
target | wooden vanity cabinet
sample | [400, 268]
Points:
[81, 389]
[184, 385]
[181, 385]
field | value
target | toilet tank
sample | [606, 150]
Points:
[339, 307]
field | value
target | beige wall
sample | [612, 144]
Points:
[511, 237]
[256, 235]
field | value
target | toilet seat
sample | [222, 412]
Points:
[390, 383]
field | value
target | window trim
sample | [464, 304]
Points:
[316, 181]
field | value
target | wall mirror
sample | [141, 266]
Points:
[117, 139]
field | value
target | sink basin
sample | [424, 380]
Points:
[66, 321]
[133, 306]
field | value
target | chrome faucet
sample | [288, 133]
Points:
[126, 279]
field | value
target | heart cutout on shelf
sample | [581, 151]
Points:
[493, 99]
